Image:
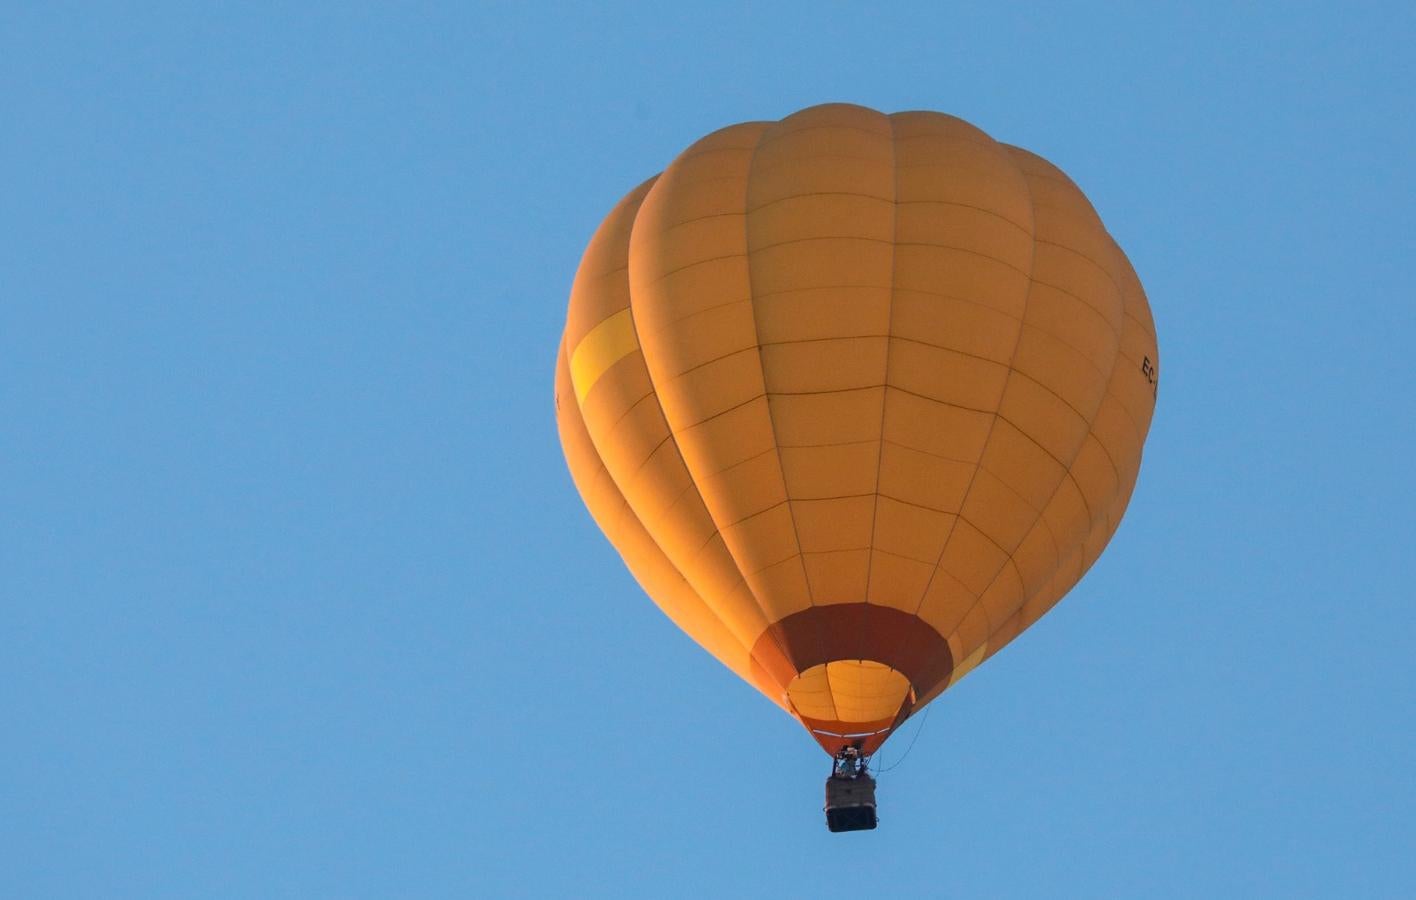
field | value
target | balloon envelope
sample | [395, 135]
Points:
[858, 398]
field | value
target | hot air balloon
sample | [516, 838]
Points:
[858, 398]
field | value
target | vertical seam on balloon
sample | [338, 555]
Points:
[762, 369]
[1013, 357]
[885, 390]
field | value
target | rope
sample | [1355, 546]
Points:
[896, 764]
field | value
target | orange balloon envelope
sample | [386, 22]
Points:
[858, 397]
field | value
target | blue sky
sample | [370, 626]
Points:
[297, 599]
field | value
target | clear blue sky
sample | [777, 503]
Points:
[297, 599]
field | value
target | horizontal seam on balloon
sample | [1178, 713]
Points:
[684, 182]
[675, 376]
[690, 156]
[1085, 355]
[828, 444]
[885, 337]
[742, 462]
[866, 387]
[963, 138]
[665, 229]
[892, 387]
[872, 240]
[804, 499]
[1057, 287]
[939, 456]
[1003, 482]
[876, 337]
[791, 130]
[758, 248]
[982, 209]
[601, 276]
[1100, 316]
[1125, 411]
[1120, 294]
[639, 469]
[1039, 172]
[762, 295]
[1086, 503]
[1128, 356]
[923, 506]
[1032, 440]
[1049, 390]
[986, 171]
[700, 262]
[980, 304]
[662, 327]
[754, 514]
[864, 549]
[1115, 470]
[772, 565]
[929, 245]
[723, 412]
[891, 553]
[1131, 428]
[789, 197]
[630, 409]
[1145, 329]
[797, 163]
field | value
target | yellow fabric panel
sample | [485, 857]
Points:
[967, 666]
[606, 344]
